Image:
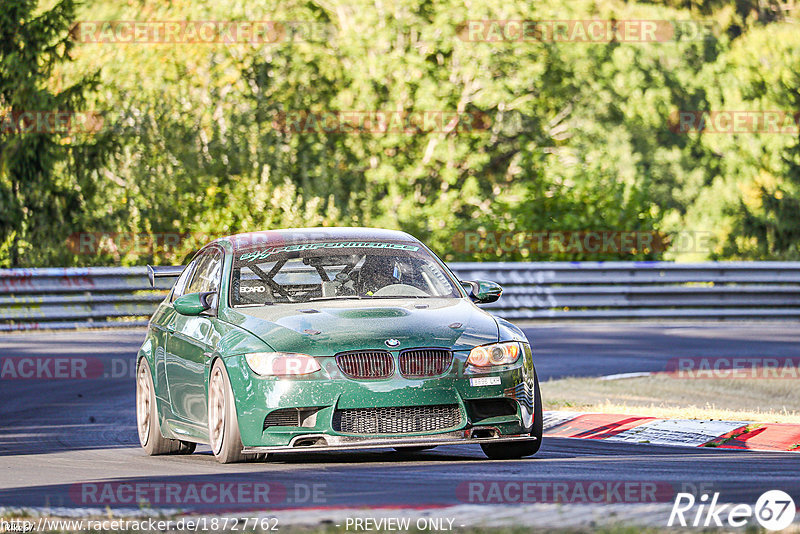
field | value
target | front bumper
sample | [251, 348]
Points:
[325, 393]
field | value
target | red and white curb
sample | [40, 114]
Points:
[682, 432]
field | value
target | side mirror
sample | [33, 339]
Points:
[483, 291]
[194, 303]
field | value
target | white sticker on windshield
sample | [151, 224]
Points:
[259, 255]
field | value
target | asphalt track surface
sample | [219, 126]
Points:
[64, 442]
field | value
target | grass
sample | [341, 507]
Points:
[663, 396]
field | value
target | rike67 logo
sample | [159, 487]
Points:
[774, 510]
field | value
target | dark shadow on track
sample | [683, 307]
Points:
[387, 479]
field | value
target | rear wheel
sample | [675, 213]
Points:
[147, 418]
[223, 424]
[520, 449]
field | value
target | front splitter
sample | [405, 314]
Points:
[326, 442]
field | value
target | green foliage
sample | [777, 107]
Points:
[45, 178]
[578, 135]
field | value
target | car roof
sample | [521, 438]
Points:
[311, 235]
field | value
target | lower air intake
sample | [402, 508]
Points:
[291, 417]
[397, 420]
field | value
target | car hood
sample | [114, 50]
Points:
[324, 328]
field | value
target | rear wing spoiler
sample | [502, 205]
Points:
[165, 271]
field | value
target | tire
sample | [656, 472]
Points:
[223, 423]
[147, 424]
[521, 449]
[418, 448]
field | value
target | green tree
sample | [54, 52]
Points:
[45, 174]
[770, 230]
[578, 135]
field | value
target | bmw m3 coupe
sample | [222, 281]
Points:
[331, 339]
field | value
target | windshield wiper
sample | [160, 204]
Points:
[397, 297]
[339, 297]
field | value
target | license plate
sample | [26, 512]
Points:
[485, 381]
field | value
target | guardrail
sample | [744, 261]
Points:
[626, 290]
[112, 296]
[77, 298]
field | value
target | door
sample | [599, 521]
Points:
[164, 326]
[190, 344]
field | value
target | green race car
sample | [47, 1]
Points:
[329, 339]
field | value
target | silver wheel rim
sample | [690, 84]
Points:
[216, 409]
[143, 404]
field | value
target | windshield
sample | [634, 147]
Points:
[306, 272]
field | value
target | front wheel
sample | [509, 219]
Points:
[223, 424]
[520, 449]
[150, 436]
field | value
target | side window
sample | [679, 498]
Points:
[180, 285]
[207, 274]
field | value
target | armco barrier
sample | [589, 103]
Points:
[111, 296]
[77, 298]
[629, 290]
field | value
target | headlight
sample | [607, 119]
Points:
[281, 363]
[494, 354]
